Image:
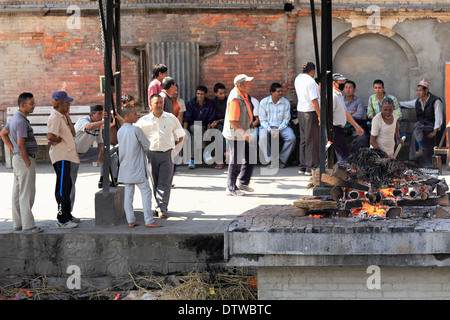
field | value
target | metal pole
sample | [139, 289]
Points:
[108, 35]
[326, 102]
[117, 42]
[314, 27]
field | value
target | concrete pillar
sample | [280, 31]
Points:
[109, 209]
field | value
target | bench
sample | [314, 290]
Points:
[38, 120]
[440, 150]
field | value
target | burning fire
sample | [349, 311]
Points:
[370, 210]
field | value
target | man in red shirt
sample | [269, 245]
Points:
[159, 73]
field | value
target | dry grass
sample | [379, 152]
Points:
[191, 286]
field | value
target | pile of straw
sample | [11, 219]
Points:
[191, 286]
[206, 286]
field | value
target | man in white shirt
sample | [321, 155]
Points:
[87, 131]
[274, 115]
[309, 118]
[340, 118]
[160, 127]
[385, 128]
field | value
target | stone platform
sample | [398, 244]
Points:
[192, 238]
[307, 257]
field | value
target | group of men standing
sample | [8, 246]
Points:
[147, 146]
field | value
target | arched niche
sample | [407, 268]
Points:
[363, 55]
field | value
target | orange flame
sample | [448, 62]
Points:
[387, 193]
[370, 210]
[317, 216]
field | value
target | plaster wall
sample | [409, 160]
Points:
[400, 49]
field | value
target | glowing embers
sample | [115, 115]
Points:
[380, 202]
[368, 210]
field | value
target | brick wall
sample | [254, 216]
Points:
[41, 54]
[259, 44]
[350, 282]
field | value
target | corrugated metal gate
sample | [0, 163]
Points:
[182, 58]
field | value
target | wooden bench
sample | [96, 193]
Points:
[38, 120]
[440, 150]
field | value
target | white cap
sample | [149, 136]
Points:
[241, 78]
[338, 76]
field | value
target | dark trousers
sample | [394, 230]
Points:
[309, 140]
[63, 189]
[239, 167]
[420, 132]
[161, 175]
[340, 144]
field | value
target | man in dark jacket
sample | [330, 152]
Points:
[200, 113]
[429, 111]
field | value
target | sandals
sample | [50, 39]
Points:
[133, 224]
[153, 225]
[33, 230]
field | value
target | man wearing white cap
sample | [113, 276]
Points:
[429, 111]
[238, 129]
[340, 118]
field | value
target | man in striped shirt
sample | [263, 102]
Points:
[374, 104]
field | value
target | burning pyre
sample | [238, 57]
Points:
[371, 184]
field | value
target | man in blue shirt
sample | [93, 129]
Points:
[358, 112]
[19, 138]
[274, 116]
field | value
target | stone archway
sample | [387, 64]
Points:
[363, 56]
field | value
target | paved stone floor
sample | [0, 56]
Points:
[198, 204]
[198, 201]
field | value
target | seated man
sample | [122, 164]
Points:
[358, 112]
[340, 118]
[274, 116]
[200, 114]
[220, 103]
[385, 128]
[429, 111]
[374, 104]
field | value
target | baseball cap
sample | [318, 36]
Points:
[338, 76]
[61, 96]
[241, 78]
